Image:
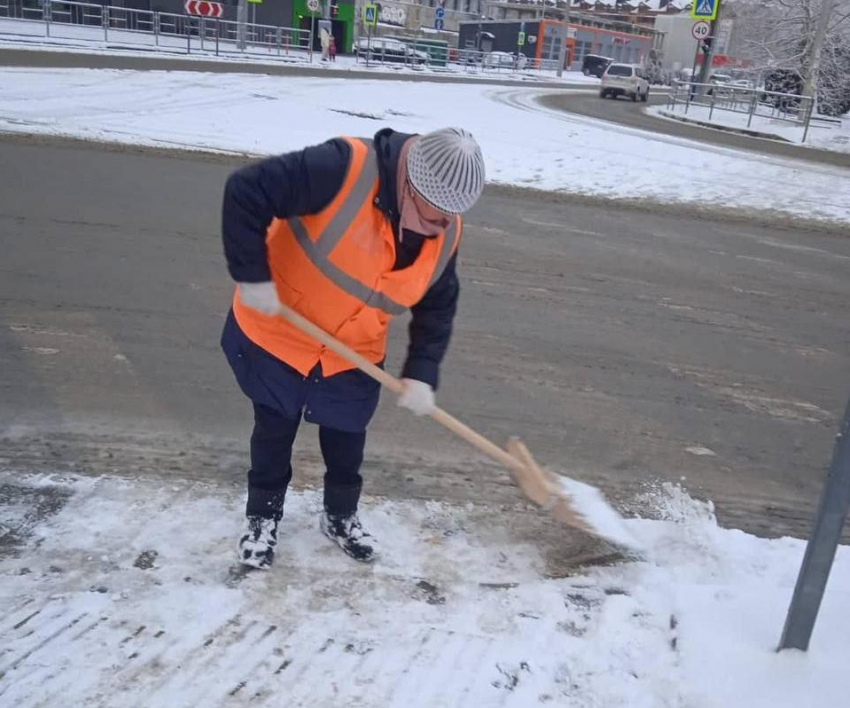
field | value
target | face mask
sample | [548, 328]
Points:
[411, 219]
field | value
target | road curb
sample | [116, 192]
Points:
[706, 124]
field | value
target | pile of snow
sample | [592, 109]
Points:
[118, 593]
[523, 143]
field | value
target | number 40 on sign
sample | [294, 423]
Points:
[701, 30]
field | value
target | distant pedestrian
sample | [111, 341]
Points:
[332, 48]
[325, 41]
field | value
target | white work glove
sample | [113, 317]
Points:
[261, 297]
[417, 397]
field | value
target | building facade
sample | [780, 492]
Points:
[539, 40]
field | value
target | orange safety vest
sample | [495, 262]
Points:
[336, 269]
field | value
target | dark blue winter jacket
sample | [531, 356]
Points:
[305, 182]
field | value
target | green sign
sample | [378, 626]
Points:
[520, 39]
[370, 14]
[705, 9]
[256, 2]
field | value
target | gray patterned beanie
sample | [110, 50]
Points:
[446, 169]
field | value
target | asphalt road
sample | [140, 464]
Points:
[625, 347]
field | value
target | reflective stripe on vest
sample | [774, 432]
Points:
[318, 251]
[335, 268]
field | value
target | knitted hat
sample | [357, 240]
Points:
[446, 169]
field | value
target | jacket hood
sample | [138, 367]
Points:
[388, 145]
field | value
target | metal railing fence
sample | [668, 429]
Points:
[752, 102]
[186, 33]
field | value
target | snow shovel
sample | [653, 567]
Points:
[572, 502]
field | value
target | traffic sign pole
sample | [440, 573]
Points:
[370, 17]
[369, 44]
[692, 89]
[823, 543]
[313, 8]
[241, 13]
[708, 57]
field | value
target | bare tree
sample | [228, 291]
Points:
[780, 35]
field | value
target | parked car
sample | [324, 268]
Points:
[625, 80]
[720, 79]
[505, 60]
[595, 65]
[389, 50]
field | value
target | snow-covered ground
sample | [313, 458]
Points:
[119, 593]
[31, 34]
[823, 135]
[524, 144]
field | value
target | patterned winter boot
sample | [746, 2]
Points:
[257, 543]
[339, 522]
[347, 532]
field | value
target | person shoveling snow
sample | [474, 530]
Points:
[339, 238]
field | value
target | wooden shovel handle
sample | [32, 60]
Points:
[393, 384]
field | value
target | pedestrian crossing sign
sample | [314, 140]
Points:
[370, 14]
[705, 9]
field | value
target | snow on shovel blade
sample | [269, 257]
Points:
[572, 502]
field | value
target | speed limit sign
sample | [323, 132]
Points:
[701, 30]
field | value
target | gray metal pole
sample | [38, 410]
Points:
[820, 551]
[705, 70]
[369, 45]
[312, 31]
[562, 55]
[241, 16]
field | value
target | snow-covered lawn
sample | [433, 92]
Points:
[117, 593]
[824, 135]
[524, 144]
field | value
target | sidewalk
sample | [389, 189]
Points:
[121, 593]
[822, 135]
[30, 34]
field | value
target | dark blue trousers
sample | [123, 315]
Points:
[341, 405]
[271, 464]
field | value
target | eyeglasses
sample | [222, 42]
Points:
[429, 213]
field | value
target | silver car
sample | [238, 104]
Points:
[625, 80]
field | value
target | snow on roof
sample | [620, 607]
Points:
[657, 5]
